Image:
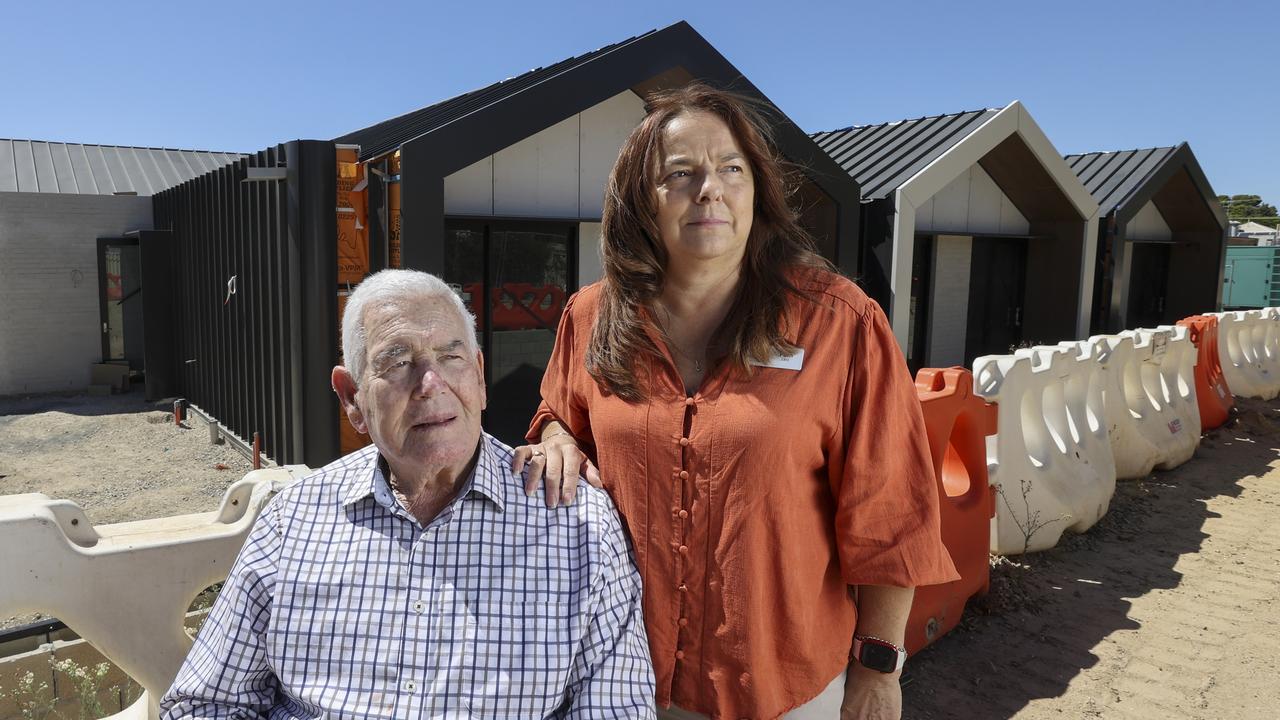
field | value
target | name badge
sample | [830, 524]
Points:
[784, 362]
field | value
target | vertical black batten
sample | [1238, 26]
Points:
[421, 210]
[156, 250]
[313, 241]
[377, 215]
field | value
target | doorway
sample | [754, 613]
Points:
[515, 277]
[120, 302]
[1148, 284]
[997, 292]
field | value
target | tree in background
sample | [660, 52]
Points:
[1249, 207]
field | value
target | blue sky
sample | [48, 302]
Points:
[240, 76]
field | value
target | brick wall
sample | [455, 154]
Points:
[49, 323]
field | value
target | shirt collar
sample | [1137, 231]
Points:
[368, 478]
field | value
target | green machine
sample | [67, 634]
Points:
[1252, 277]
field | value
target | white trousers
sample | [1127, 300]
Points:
[824, 707]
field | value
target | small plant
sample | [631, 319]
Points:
[34, 700]
[1033, 523]
[128, 693]
[87, 681]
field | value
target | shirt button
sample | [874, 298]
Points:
[679, 654]
[683, 588]
[684, 474]
[684, 514]
[419, 607]
[684, 549]
[684, 442]
[408, 686]
[684, 622]
[688, 401]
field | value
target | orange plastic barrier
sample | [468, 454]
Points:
[517, 306]
[957, 423]
[1212, 393]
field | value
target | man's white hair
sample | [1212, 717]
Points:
[386, 286]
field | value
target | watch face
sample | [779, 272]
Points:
[879, 657]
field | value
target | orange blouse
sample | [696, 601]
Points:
[755, 503]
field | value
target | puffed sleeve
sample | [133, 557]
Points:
[887, 521]
[563, 383]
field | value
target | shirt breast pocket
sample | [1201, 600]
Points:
[523, 653]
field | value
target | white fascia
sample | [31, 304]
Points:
[935, 176]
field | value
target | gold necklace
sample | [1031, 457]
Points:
[698, 363]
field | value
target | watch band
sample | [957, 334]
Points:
[866, 647]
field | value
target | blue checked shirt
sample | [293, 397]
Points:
[342, 605]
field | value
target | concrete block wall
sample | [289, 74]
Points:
[50, 331]
[513, 348]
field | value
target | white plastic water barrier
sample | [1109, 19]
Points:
[1050, 459]
[1249, 351]
[1153, 419]
[125, 588]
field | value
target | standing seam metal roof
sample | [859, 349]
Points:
[1111, 177]
[883, 157]
[73, 168]
[379, 139]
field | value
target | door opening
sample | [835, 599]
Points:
[1148, 284]
[997, 292]
[515, 277]
[120, 302]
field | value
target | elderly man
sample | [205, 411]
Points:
[415, 578]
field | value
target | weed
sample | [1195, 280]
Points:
[1033, 523]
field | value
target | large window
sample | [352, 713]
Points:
[515, 277]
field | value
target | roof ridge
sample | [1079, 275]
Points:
[1113, 152]
[906, 120]
[125, 147]
[493, 85]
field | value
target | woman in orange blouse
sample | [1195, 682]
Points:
[751, 415]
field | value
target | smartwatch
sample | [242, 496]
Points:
[876, 654]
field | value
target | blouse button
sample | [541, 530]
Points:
[684, 514]
[684, 442]
[682, 587]
[688, 401]
[684, 474]
[684, 622]
[684, 549]
[679, 654]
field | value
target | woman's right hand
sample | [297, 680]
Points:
[556, 463]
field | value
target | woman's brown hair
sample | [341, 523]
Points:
[634, 258]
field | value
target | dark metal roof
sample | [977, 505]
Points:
[883, 157]
[73, 168]
[388, 135]
[1112, 177]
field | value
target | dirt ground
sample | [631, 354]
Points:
[1168, 608]
[119, 457]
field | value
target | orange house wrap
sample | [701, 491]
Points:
[352, 208]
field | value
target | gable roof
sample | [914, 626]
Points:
[74, 168]
[883, 157]
[465, 128]
[1252, 227]
[1125, 180]
[444, 138]
[1111, 177]
[383, 137]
